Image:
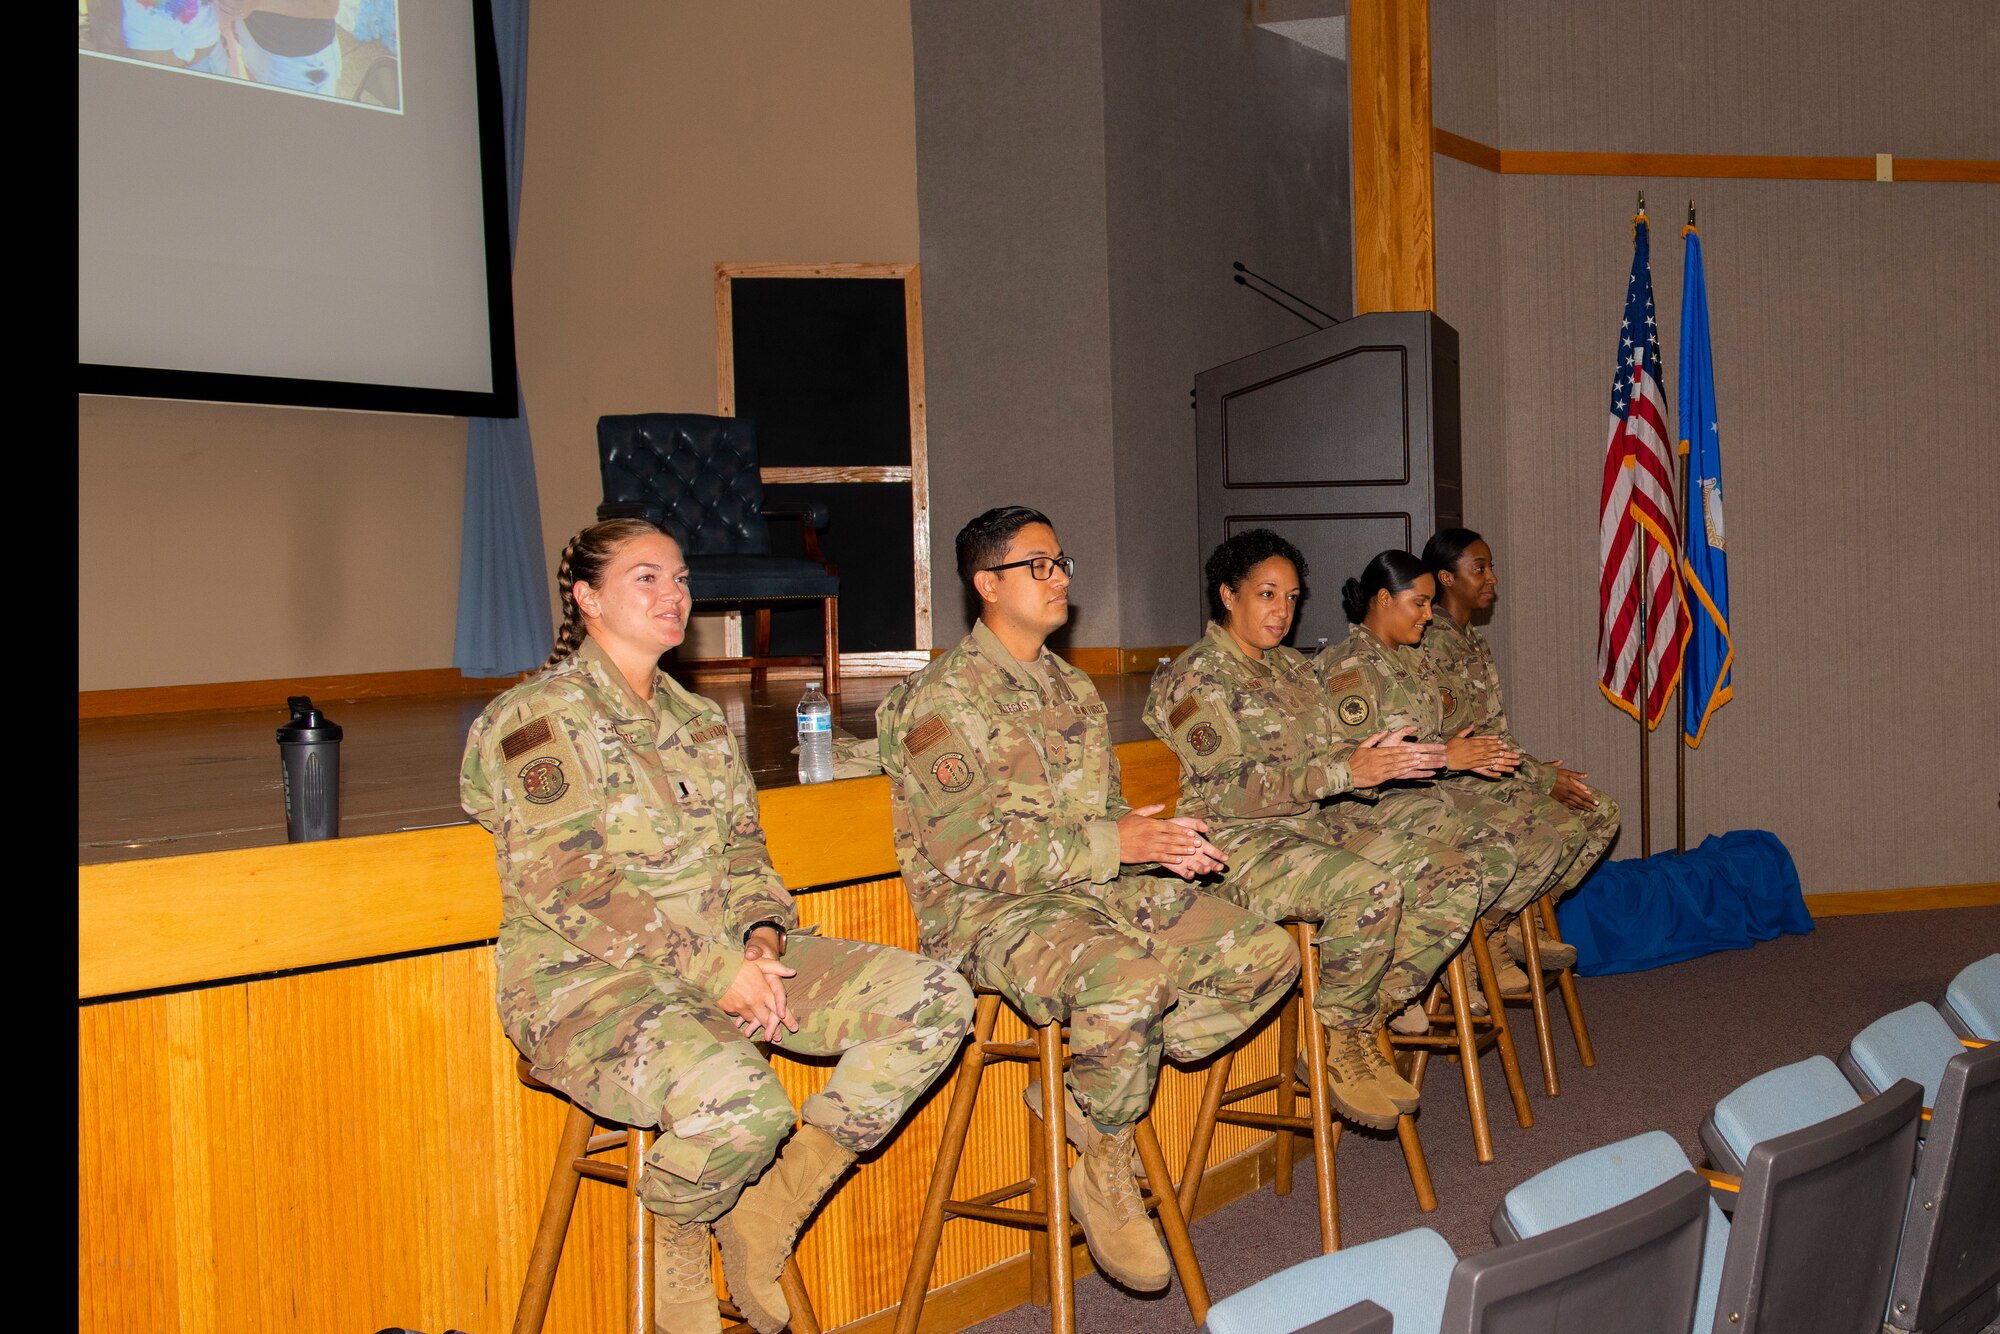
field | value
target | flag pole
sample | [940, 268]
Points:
[1645, 694]
[1645, 681]
[1680, 687]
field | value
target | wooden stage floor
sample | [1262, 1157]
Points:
[168, 784]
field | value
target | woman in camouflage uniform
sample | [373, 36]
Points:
[643, 942]
[1375, 678]
[1260, 751]
[1460, 662]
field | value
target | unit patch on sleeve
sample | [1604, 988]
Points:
[1203, 733]
[545, 781]
[940, 760]
[1355, 710]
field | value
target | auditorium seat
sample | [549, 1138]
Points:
[1631, 1266]
[1972, 1001]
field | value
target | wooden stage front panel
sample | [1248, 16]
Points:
[347, 1148]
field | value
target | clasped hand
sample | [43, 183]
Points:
[756, 996]
[1487, 756]
[1175, 843]
[1571, 790]
[1390, 756]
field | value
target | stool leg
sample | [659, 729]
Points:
[1172, 1221]
[1566, 979]
[1510, 1064]
[1288, 1056]
[1413, 1147]
[557, 1205]
[804, 1320]
[1204, 1132]
[944, 1174]
[1062, 1295]
[1325, 1132]
[1468, 1058]
[1038, 1203]
[1538, 1000]
[638, 1233]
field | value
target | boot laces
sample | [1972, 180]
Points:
[682, 1258]
[1350, 1064]
[1121, 1184]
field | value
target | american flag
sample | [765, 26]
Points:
[1638, 504]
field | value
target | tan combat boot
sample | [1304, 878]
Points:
[757, 1235]
[683, 1280]
[1508, 972]
[1104, 1197]
[1555, 953]
[1351, 1079]
[1411, 1021]
[1390, 1080]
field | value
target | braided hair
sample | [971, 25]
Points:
[584, 560]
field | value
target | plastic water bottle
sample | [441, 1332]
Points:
[815, 736]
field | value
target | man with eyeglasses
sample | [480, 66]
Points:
[1028, 871]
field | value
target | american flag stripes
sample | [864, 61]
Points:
[1637, 515]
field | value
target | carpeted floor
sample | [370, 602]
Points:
[1669, 1043]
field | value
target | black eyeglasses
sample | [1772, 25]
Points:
[1041, 567]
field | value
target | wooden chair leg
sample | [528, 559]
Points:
[1325, 1131]
[1288, 1105]
[1538, 1001]
[1204, 1131]
[1173, 1223]
[760, 648]
[830, 645]
[638, 1234]
[550, 1232]
[944, 1174]
[1413, 1147]
[1055, 1191]
[1468, 1057]
[1510, 1063]
[1566, 979]
[804, 1319]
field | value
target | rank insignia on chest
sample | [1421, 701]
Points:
[1354, 710]
[1203, 739]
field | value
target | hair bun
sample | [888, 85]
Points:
[1352, 601]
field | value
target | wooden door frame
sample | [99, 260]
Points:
[917, 474]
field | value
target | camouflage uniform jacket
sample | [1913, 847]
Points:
[1256, 739]
[627, 840]
[1373, 685]
[1000, 785]
[1459, 660]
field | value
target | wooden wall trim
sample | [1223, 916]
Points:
[1916, 898]
[164, 922]
[1389, 80]
[272, 694]
[1710, 166]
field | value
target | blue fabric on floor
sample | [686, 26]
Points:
[1734, 890]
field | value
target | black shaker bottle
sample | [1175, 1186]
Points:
[309, 745]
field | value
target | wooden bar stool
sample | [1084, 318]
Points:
[1537, 997]
[1466, 1035]
[576, 1160]
[1047, 1185]
[1320, 1125]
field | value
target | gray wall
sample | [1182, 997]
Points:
[1086, 172]
[1855, 343]
[1223, 142]
[1017, 321]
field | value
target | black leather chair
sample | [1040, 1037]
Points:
[696, 476]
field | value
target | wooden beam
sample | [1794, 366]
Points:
[1389, 80]
[205, 696]
[1916, 898]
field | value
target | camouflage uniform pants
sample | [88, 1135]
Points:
[1586, 833]
[1390, 907]
[670, 1057]
[1148, 964]
[1521, 852]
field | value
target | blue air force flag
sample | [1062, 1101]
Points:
[1704, 560]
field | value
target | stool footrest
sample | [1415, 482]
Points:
[987, 1213]
[599, 1143]
[1295, 1123]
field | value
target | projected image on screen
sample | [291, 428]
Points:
[342, 50]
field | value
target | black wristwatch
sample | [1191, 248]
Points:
[775, 925]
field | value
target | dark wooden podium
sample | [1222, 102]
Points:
[1345, 441]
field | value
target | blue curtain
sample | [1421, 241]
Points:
[503, 601]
